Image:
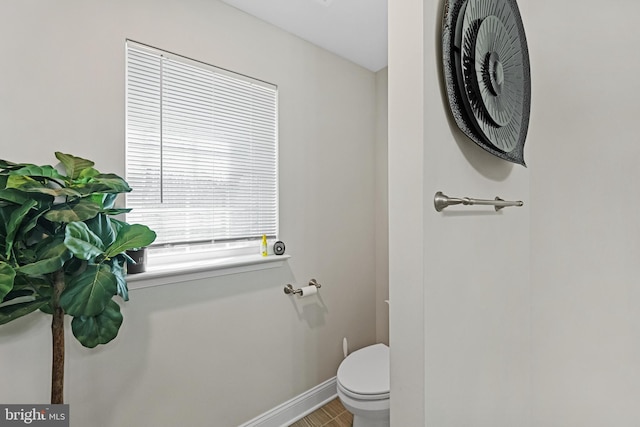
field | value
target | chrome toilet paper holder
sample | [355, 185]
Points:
[289, 288]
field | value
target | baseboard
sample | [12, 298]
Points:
[291, 411]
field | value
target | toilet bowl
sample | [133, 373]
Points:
[363, 386]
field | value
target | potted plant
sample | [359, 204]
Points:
[63, 252]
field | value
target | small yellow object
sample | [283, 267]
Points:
[263, 245]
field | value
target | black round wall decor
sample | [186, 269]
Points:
[487, 75]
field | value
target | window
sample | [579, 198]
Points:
[201, 150]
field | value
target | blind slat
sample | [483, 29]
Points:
[201, 150]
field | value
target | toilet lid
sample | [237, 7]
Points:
[366, 371]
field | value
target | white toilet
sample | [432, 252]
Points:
[363, 386]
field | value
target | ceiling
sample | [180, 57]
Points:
[353, 29]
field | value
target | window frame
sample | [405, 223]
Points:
[177, 257]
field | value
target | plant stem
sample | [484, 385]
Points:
[57, 335]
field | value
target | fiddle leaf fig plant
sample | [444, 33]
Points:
[63, 252]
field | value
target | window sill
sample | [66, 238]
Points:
[186, 271]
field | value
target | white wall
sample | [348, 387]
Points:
[585, 212]
[530, 317]
[459, 280]
[209, 352]
[382, 205]
[406, 212]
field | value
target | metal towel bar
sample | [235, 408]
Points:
[441, 201]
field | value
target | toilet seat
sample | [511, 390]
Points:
[364, 374]
[362, 397]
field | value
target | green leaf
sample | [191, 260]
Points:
[108, 200]
[19, 197]
[25, 286]
[7, 276]
[73, 165]
[15, 220]
[42, 284]
[14, 223]
[105, 200]
[131, 236]
[47, 309]
[99, 329]
[6, 164]
[20, 293]
[87, 174]
[74, 265]
[118, 211]
[57, 192]
[111, 182]
[117, 225]
[5, 214]
[117, 268]
[101, 226]
[31, 222]
[50, 259]
[30, 185]
[14, 196]
[39, 171]
[11, 312]
[82, 242]
[77, 210]
[23, 183]
[103, 183]
[46, 291]
[88, 293]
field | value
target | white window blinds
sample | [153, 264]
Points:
[201, 150]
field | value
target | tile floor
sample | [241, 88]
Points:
[332, 414]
